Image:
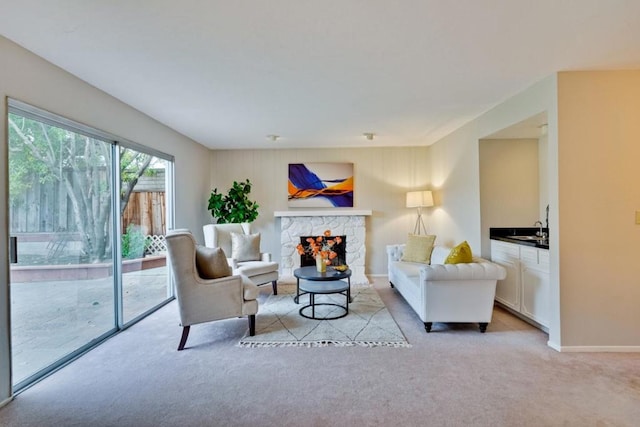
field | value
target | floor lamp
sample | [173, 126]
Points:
[419, 199]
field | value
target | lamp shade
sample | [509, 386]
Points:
[419, 199]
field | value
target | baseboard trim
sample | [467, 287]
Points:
[597, 348]
[6, 401]
[554, 346]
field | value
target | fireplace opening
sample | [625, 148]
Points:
[306, 259]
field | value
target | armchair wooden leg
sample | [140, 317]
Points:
[252, 325]
[483, 327]
[274, 284]
[183, 340]
[427, 326]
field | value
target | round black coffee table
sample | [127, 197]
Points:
[315, 283]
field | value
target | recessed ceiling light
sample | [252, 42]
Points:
[273, 137]
[369, 135]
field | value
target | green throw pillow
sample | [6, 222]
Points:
[461, 254]
[418, 248]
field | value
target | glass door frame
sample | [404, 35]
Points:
[34, 113]
[169, 191]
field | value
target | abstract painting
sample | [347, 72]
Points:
[318, 185]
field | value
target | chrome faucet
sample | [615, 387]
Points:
[539, 233]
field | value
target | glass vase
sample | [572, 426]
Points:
[321, 266]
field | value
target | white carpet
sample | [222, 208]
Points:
[368, 324]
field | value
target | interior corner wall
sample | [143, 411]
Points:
[31, 79]
[382, 176]
[598, 158]
[455, 176]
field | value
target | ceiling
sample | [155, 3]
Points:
[229, 73]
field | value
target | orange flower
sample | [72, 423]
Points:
[320, 246]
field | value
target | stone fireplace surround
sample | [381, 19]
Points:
[348, 222]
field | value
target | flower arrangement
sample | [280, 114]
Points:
[321, 246]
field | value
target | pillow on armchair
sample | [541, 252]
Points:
[211, 263]
[245, 247]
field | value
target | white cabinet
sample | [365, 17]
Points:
[534, 265]
[508, 256]
[526, 287]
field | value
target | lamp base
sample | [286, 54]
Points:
[419, 224]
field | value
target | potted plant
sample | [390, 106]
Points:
[235, 206]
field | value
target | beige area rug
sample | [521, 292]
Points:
[368, 324]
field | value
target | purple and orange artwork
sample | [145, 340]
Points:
[316, 185]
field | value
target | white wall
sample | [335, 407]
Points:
[455, 175]
[543, 174]
[509, 185]
[599, 154]
[382, 178]
[29, 78]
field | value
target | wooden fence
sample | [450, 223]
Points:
[45, 208]
[147, 209]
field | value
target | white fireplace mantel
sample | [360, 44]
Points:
[325, 212]
[348, 222]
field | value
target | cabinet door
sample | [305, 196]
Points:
[507, 290]
[535, 292]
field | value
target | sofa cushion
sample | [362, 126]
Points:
[460, 254]
[211, 263]
[418, 248]
[439, 254]
[407, 269]
[245, 247]
[255, 268]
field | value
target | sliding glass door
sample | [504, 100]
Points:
[88, 217]
[61, 198]
[143, 210]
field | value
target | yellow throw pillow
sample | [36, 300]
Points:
[461, 254]
[418, 248]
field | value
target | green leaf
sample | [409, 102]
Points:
[235, 206]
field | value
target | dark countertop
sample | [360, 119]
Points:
[507, 235]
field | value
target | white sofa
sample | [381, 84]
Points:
[446, 292]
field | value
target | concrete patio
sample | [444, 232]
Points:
[50, 319]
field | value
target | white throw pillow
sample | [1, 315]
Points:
[245, 247]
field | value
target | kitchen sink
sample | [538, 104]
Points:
[527, 237]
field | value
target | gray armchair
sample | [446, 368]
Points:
[219, 296]
[258, 268]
